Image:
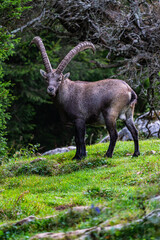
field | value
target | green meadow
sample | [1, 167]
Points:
[118, 190]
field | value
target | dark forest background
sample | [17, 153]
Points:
[127, 38]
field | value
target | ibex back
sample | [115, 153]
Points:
[101, 102]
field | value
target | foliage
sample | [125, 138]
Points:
[4, 116]
[14, 10]
[29, 151]
[5, 100]
[6, 49]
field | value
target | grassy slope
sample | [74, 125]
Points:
[122, 184]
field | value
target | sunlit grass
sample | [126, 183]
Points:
[122, 184]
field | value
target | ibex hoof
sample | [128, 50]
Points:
[77, 158]
[136, 154]
[108, 155]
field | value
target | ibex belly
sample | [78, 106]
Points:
[96, 120]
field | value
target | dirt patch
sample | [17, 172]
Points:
[63, 207]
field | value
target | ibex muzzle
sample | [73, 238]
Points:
[101, 102]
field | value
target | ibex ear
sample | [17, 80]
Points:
[66, 75]
[43, 73]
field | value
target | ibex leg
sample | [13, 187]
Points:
[111, 127]
[80, 139]
[131, 127]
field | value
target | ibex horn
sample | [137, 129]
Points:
[80, 47]
[40, 45]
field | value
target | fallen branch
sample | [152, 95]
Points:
[82, 234]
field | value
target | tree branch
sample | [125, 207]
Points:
[106, 66]
[30, 23]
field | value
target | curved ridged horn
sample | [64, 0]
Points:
[40, 45]
[80, 47]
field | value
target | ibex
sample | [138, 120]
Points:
[100, 102]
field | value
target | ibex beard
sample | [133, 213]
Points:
[100, 102]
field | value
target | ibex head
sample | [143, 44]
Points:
[54, 77]
[54, 80]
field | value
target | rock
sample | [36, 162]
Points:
[154, 217]
[82, 234]
[25, 220]
[68, 235]
[153, 124]
[152, 152]
[124, 135]
[157, 198]
[59, 150]
[141, 124]
[81, 208]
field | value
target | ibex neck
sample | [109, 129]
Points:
[64, 91]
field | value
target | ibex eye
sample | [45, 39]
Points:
[59, 79]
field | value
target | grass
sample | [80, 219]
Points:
[123, 185]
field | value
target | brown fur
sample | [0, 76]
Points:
[89, 99]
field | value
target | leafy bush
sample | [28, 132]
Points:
[5, 99]
[9, 11]
[29, 151]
